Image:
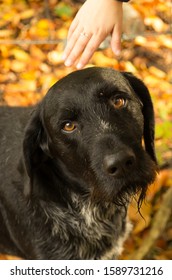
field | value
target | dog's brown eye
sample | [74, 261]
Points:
[118, 102]
[69, 126]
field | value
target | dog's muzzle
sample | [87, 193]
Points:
[119, 164]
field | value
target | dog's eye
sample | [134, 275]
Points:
[118, 102]
[69, 126]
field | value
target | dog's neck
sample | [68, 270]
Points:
[99, 224]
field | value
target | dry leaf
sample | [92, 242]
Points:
[18, 66]
[20, 54]
[27, 14]
[157, 72]
[100, 59]
[156, 23]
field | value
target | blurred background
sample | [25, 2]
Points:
[32, 39]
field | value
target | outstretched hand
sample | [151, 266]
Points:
[95, 20]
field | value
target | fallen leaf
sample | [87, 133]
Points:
[156, 23]
[100, 59]
[17, 66]
[20, 54]
[157, 72]
[37, 53]
[27, 14]
[63, 11]
[5, 33]
[55, 57]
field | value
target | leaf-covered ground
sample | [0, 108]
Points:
[32, 39]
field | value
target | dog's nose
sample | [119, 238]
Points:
[119, 164]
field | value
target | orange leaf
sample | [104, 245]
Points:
[37, 53]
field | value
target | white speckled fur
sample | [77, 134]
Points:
[94, 223]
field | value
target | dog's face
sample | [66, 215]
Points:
[92, 124]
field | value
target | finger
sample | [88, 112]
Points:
[72, 28]
[71, 43]
[78, 48]
[116, 40]
[91, 47]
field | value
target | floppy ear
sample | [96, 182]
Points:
[148, 113]
[35, 147]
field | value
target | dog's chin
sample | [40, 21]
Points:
[101, 195]
[119, 191]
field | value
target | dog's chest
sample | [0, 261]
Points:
[91, 231]
[108, 227]
[105, 230]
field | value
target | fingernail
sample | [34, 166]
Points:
[68, 63]
[79, 65]
[117, 52]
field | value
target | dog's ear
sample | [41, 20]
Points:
[35, 146]
[148, 112]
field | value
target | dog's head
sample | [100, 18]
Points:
[90, 128]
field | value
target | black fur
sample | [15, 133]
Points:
[64, 195]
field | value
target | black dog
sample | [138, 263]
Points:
[67, 178]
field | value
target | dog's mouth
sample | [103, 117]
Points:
[119, 189]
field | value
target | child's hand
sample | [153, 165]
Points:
[95, 20]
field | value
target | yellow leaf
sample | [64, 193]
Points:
[151, 80]
[61, 33]
[29, 75]
[9, 15]
[28, 85]
[157, 72]
[27, 14]
[42, 29]
[20, 55]
[129, 67]
[55, 57]
[45, 68]
[43, 24]
[18, 66]
[4, 33]
[140, 41]
[46, 81]
[165, 41]
[156, 23]
[100, 59]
